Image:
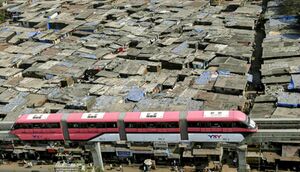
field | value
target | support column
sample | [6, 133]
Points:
[97, 157]
[242, 162]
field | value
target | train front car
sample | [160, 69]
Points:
[215, 126]
[42, 127]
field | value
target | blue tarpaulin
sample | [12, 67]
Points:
[291, 85]
[204, 78]
[295, 82]
[32, 34]
[135, 94]
[86, 55]
[287, 18]
[249, 77]
[223, 72]
[67, 64]
[198, 30]
[178, 50]
[286, 99]
[49, 76]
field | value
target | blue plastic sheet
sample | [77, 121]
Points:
[180, 48]
[49, 76]
[294, 83]
[198, 30]
[135, 94]
[223, 72]
[286, 99]
[291, 85]
[249, 78]
[204, 78]
[67, 64]
[32, 34]
[286, 18]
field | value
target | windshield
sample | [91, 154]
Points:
[251, 123]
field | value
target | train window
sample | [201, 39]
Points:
[193, 124]
[129, 125]
[204, 124]
[215, 124]
[47, 125]
[83, 125]
[227, 125]
[53, 125]
[43, 126]
[19, 126]
[134, 125]
[35, 125]
[152, 125]
[238, 125]
[73, 125]
[163, 125]
[111, 125]
[173, 125]
[91, 125]
[100, 125]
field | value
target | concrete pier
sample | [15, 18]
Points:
[97, 157]
[242, 162]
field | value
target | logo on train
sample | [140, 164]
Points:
[36, 136]
[215, 136]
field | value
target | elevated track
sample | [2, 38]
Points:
[273, 135]
[277, 123]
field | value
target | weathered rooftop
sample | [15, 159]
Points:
[89, 55]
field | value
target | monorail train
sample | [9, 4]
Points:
[198, 126]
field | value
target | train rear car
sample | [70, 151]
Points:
[38, 127]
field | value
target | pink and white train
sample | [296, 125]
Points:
[175, 126]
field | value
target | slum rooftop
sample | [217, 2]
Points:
[281, 63]
[130, 55]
